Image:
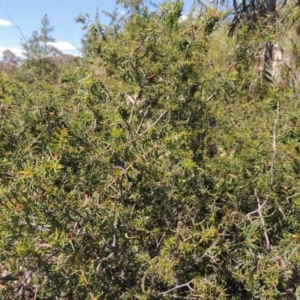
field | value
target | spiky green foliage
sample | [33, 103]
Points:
[160, 178]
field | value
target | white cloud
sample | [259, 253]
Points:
[63, 46]
[192, 15]
[5, 23]
[183, 17]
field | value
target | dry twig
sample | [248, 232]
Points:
[187, 284]
[259, 212]
[274, 142]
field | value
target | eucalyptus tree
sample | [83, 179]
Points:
[269, 21]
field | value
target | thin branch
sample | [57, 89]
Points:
[256, 211]
[186, 52]
[18, 27]
[187, 284]
[158, 119]
[206, 253]
[34, 141]
[30, 273]
[268, 245]
[133, 102]
[211, 96]
[288, 198]
[124, 171]
[143, 118]
[274, 142]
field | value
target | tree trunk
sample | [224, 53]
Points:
[269, 46]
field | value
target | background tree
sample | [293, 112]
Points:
[10, 61]
[37, 46]
[38, 52]
[250, 16]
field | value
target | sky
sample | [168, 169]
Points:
[27, 15]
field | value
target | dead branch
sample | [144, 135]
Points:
[187, 284]
[274, 142]
[259, 211]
